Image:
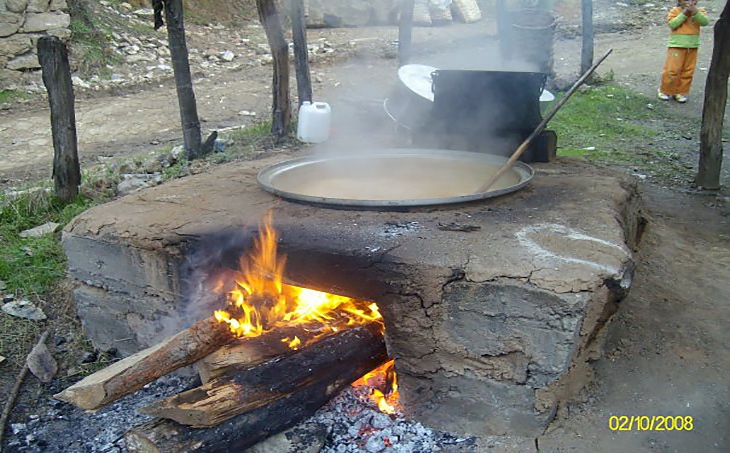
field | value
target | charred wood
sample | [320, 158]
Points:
[325, 366]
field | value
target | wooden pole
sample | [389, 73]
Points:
[713, 111]
[586, 51]
[405, 31]
[281, 108]
[132, 373]
[301, 53]
[518, 152]
[53, 58]
[183, 79]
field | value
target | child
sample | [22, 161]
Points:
[684, 20]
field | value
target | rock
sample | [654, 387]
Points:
[8, 298]
[153, 166]
[303, 438]
[126, 7]
[58, 5]
[40, 230]
[79, 82]
[15, 45]
[41, 363]
[26, 61]
[228, 56]
[59, 340]
[9, 23]
[89, 357]
[17, 428]
[16, 6]
[61, 33]
[177, 152]
[340, 13]
[144, 12]
[38, 6]
[45, 21]
[24, 309]
[131, 185]
[2, 359]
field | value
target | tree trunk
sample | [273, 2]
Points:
[132, 373]
[713, 112]
[183, 78]
[53, 57]
[586, 51]
[301, 53]
[281, 108]
[405, 30]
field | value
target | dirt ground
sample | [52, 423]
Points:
[668, 351]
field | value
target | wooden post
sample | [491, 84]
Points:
[53, 57]
[183, 80]
[586, 51]
[713, 112]
[301, 54]
[281, 108]
[405, 31]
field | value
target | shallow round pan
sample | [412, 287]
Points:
[392, 178]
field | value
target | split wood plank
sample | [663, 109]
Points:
[132, 373]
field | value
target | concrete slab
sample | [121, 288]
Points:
[492, 328]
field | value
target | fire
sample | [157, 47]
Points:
[384, 378]
[260, 301]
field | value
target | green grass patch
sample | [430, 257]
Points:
[614, 125]
[9, 96]
[33, 265]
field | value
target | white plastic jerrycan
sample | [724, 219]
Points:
[314, 122]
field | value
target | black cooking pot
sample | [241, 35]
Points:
[485, 102]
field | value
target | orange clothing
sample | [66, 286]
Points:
[678, 71]
[684, 39]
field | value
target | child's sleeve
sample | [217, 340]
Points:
[701, 18]
[675, 18]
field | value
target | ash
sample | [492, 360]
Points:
[58, 427]
[354, 424]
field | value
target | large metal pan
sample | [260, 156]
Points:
[392, 178]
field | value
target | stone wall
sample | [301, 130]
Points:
[22, 22]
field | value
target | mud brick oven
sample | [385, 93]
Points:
[492, 309]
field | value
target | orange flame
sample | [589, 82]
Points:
[260, 301]
[384, 377]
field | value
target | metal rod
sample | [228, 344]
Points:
[540, 127]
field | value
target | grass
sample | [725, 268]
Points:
[34, 265]
[8, 96]
[613, 125]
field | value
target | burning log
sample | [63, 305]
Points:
[132, 373]
[246, 352]
[334, 362]
[237, 433]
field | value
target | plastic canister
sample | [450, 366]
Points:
[314, 122]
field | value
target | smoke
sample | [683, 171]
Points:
[207, 273]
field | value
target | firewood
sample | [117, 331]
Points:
[132, 373]
[237, 433]
[339, 358]
[247, 352]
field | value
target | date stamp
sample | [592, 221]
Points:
[651, 423]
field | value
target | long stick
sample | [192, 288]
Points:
[540, 127]
[127, 375]
[14, 393]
